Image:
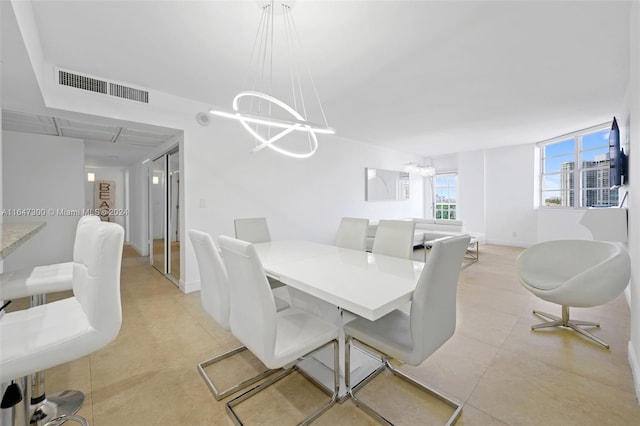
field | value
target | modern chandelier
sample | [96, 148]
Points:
[420, 169]
[279, 122]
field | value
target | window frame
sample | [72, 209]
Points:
[448, 204]
[579, 187]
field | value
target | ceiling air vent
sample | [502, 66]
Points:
[128, 93]
[81, 82]
[96, 85]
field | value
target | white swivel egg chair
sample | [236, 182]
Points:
[579, 273]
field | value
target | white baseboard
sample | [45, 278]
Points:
[520, 244]
[140, 250]
[136, 248]
[189, 287]
[635, 370]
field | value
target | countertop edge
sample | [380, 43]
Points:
[13, 235]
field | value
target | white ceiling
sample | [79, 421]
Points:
[427, 77]
[106, 143]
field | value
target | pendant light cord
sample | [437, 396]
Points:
[262, 124]
[313, 84]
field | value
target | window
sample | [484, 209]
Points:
[575, 170]
[446, 196]
[404, 186]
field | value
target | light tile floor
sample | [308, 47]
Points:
[504, 372]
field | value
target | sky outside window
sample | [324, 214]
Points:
[586, 153]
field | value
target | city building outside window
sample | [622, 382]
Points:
[404, 186]
[575, 170]
[445, 189]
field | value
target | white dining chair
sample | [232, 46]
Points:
[394, 238]
[44, 336]
[412, 338]
[255, 230]
[278, 339]
[252, 230]
[214, 297]
[352, 233]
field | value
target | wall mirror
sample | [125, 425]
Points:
[164, 223]
[386, 185]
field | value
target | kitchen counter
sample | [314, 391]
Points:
[13, 235]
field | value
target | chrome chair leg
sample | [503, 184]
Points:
[64, 418]
[386, 364]
[353, 389]
[26, 397]
[44, 408]
[221, 394]
[566, 322]
[472, 253]
[450, 402]
[282, 374]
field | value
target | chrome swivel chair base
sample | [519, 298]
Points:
[58, 405]
[61, 419]
[50, 409]
[221, 394]
[386, 364]
[566, 322]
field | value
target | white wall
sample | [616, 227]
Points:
[139, 208]
[510, 195]
[445, 163]
[222, 180]
[561, 224]
[115, 174]
[300, 198]
[632, 122]
[471, 191]
[498, 195]
[43, 172]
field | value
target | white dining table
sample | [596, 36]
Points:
[364, 284]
